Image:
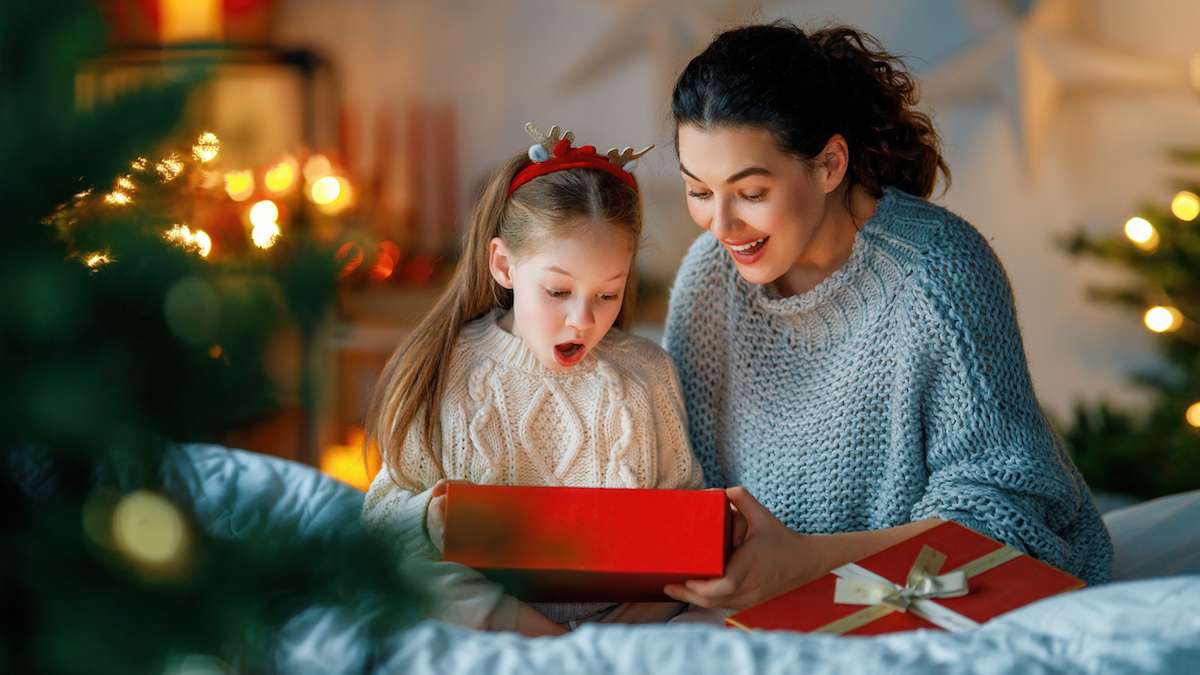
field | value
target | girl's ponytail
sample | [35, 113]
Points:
[414, 378]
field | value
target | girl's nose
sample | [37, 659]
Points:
[581, 316]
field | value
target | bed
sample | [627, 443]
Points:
[1146, 621]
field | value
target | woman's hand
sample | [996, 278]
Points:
[769, 559]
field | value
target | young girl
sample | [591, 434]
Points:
[518, 377]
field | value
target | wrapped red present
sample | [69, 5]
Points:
[552, 544]
[949, 577]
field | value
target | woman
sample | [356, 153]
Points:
[849, 352]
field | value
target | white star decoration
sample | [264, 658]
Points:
[1032, 60]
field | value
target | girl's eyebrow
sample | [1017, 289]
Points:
[748, 171]
[559, 270]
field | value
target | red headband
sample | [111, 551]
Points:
[566, 157]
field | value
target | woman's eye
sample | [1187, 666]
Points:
[754, 196]
[557, 294]
[609, 297]
[698, 195]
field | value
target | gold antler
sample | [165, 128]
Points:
[622, 157]
[548, 141]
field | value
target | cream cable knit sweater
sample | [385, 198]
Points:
[616, 419]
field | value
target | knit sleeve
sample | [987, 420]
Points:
[693, 339]
[994, 463]
[677, 466]
[461, 595]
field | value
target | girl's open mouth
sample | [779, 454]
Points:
[568, 354]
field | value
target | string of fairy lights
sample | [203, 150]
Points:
[1167, 317]
[260, 195]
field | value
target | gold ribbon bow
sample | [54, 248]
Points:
[857, 585]
[923, 582]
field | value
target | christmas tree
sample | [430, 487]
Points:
[120, 338]
[1153, 451]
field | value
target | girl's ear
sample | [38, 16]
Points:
[832, 163]
[500, 262]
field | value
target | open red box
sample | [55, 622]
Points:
[556, 544]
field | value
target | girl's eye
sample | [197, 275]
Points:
[608, 297]
[698, 195]
[754, 196]
[557, 294]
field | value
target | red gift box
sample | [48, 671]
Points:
[949, 577]
[553, 544]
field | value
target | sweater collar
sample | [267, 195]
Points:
[846, 298]
[487, 337]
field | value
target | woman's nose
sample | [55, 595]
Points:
[723, 223]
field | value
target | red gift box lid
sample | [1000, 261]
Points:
[1001, 589]
[588, 544]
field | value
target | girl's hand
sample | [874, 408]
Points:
[435, 514]
[769, 559]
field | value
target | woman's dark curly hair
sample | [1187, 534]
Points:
[805, 87]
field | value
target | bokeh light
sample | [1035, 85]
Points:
[1185, 205]
[239, 185]
[281, 177]
[1162, 319]
[1143, 235]
[207, 147]
[150, 531]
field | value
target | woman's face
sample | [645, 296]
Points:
[762, 204]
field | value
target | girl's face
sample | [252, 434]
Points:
[566, 293]
[764, 205]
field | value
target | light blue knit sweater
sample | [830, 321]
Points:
[895, 390]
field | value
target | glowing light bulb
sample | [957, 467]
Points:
[149, 530]
[263, 213]
[183, 235]
[326, 190]
[1143, 235]
[239, 185]
[317, 167]
[203, 243]
[117, 198]
[1193, 414]
[281, 177]
[97, 260]
[1162, 319]
[1185, 205]
[169, 167]
[265, 235]
[206, 148]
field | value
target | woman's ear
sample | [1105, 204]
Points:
[500, 262]
[833, 162]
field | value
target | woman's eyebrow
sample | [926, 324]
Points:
[748, 171]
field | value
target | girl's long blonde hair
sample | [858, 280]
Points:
[551, 206]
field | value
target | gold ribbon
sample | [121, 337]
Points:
[857, 585]
[923, 582]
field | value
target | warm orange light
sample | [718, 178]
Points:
[207, 147]
[1162, 319]
[317, 167]
[281, 177]
[345, 462]
[1185, 205]
[239, 185]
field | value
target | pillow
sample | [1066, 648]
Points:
[1156, 538]
[237, 493]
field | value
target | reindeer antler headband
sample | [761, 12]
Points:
[553, 152]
